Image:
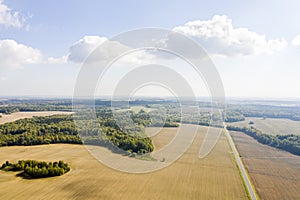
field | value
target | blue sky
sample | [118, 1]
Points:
[52, 27]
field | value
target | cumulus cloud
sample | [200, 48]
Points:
[81, 49]
[87, 48]
[218, 36]
[296, 41]
[9, 17]
[14, 55]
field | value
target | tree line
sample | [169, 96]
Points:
[287, 111]
[290, 142]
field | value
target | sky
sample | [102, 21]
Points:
[254, 45]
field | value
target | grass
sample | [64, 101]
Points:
[240, 173]
[244, 183]
[213, 177]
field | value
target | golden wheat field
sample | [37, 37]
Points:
[213, 177]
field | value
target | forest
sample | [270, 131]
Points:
[62, 129]
[39, 130]
[128, 134]
[37, 169]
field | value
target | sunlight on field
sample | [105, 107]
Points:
[214, 177]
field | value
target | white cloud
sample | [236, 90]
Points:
[81, 49]
[14, 55]
[296, 41]
[61, 60]
[218, 36]
[9, 17]
[87, 48]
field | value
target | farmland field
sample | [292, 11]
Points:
[272, 126]
[21, 115]
[213, 177]
[274, 173]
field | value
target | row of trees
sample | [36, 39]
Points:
[290, 142]
[37, 169]
[284, 115]
[288, 111]
[8, 109]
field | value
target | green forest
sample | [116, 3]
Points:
[37, 169]
[62, 129]
[39, 130]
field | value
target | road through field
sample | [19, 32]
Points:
[275, 173]
[240, 165]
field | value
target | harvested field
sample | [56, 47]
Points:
[162, 137]
[274, 173]
[213, 177]
[21, 115]
[271, 125]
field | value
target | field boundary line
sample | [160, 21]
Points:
[251, 193]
